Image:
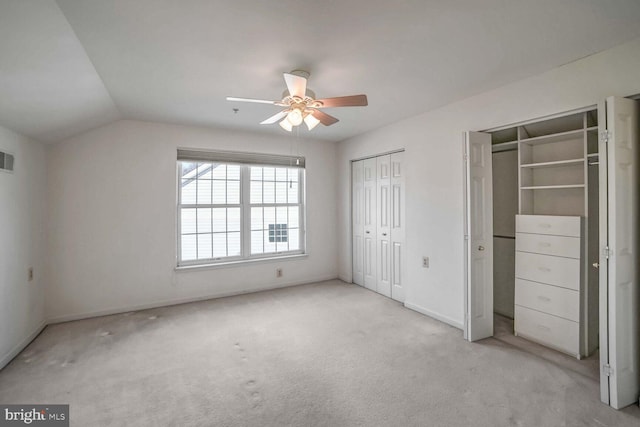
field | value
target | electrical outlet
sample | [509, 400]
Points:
[278, 272]
[425, 262]
[30, 274]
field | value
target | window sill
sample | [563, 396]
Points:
[240, 263]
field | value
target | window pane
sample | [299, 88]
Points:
[269, 217]
[189, 191]
[233, 243]
[204, 246]
[204, 171]
[219, 171]
[293, 175]
[219, 192]
[281, 192]
[204, 220]
[256, 173]
[256, 242]
[256, 192]
[204, 192]
[219, 220]
[256, 219]
[189, 247]
[233, 192]
[282, 246]
[188, 169]
[294, 239]
[219, 245]
[269, 174]
[294, 217]
[233, 172]
[281, 174]
[281, 215]
[268, 246]
[233, 219]
[188, 217]
[269, 192]
[292, 189]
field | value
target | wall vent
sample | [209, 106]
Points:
[6, 162]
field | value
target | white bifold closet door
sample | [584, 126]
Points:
[357, 190]
[378, 224]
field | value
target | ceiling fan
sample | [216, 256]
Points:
[300, 104]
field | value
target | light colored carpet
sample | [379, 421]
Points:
[327, 354]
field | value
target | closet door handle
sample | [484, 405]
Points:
[368, 232]
[481, 248]
[384, 234]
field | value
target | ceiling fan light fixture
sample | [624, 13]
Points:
[295, 116]
[286, 125]
[311, 121]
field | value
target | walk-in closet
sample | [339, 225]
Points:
[545, 231]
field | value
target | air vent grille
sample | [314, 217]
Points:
[6, 162]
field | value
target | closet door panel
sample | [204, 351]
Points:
[357, 206]
[383, 231]
[370, 224]
[397, 226]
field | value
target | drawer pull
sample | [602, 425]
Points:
[545, 244]
[544, 328]
[545, 225]
[545, 269]
[545, 299]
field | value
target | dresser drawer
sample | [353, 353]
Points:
[549, 330]
[545, 224]
[548, 269]
[548, 245]
[560, 302]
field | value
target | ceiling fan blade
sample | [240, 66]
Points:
[259, 101]
[324, 118]
[296, 85]
[275, 118]
[344, 101]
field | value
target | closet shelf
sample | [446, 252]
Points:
[555, 137]
[554, 164]
[504, 146]
[552, 187]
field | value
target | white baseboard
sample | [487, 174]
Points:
[164, 303]
[6, 358]
[437, 316]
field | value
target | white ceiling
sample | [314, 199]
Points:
[71, 65]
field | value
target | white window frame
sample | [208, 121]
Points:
[245, 215]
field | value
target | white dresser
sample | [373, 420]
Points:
[548, 288]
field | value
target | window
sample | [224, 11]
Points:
[232, 208]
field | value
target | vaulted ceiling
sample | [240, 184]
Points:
[72, 65]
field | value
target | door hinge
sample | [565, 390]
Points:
[466, 237]
[605, 135]
[607, 370]
[606, 252]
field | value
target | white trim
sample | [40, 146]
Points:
[165, 303]
[434, 315]
[241, 262]
[5, 359]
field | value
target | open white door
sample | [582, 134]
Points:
[478, 236]
[619, 253]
